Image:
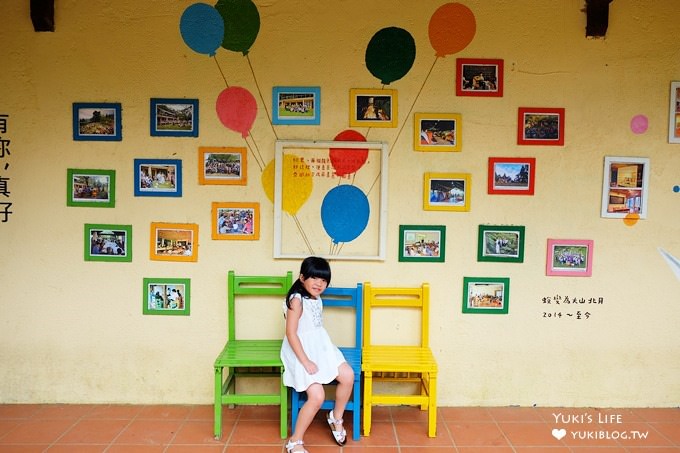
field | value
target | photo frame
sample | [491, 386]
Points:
[236, 221]
[173, 117]
[437, 132]
[222, 165]
[173, 242]
[501, 243]
[479, 77]
[446, 191]
[296, 105]
[90, 188]
[97, 121]
[166, 296]
[106, 242]
[540, 126]
[625, 185]
[158, 177]
[511, 175]
[486, 295]
[330, 199]
[674, 113]
[372, 108]
[422, 243]
[569, 258]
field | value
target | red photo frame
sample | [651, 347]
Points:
[511, 175]
[479, 77]
[540, 126]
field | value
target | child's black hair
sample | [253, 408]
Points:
[312, 266]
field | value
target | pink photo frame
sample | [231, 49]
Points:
[569, 258]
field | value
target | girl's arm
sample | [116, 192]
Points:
[292, 318]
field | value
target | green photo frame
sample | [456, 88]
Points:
[501, 243]
[106, 242]
[166, 296]
[487, 295]
[90, 188]
[422, 243]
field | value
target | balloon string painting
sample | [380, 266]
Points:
[390, 54]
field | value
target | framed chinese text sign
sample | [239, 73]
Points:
[625, 187]
[174, 241]
[90, 188]
[424, 243]
[501, 243]
[330, 199]
[105, 242]
[569, 257]
[512, 175]
[174, 117]
[166, 296]
[97, 121]
[296, 105]
[489, 295]
[540, 126]
[479, 77]
[222, 165]
[437, 132]
[446, 191]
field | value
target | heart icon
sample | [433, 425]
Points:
[559, 433]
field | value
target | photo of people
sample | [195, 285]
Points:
[235, 221]
[174, 117]
[450, 192]
[165, 297]
[222, 166]
[479, 77]
[296, 105]
[570, 258]
[108, 242]
[421, 244]
[174, 242]
[485, 295]
[501, 243]
[374, 108]
[438, 132]
[157, 177]
[541, 126]
[96, 121]
[90, 187]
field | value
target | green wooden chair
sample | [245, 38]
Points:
[251, 358]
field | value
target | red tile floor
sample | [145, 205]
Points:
[167, 428]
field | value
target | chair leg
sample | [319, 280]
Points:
[217, 430]
[368, 401]
[432, 403]
[284, 408]
[356, 409]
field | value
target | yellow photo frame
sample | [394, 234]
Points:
[173, 241]
[372, 107]
[437, 132]
[446, 191]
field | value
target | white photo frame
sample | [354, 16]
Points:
[674, 114]
[625, 184]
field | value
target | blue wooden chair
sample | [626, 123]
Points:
[251, 357]
[350, 298]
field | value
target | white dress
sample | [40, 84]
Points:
[317, 345]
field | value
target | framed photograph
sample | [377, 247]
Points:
[446, 191]
[330, 199]
[489, 295]
[158, 177]
[108, 242]
[174, 117]
[372, 108]
[174, 241]
[166, 296]
[511, 175]
[236, 221]
[222, 165]
[479, 77]
[97, 121]
[625, 187]
[540, 126]
[569, 258]
[296, 105]
[500, 243]
[424, 243]
[90, 188]
[437, 132]
[674, 114]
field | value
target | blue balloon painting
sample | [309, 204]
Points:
[202, 28]
[344, 213]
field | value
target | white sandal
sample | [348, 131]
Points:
[340, 435]
[292, 445]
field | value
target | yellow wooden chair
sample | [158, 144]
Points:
[396, 364]
[251, 357]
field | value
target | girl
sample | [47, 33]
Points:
[309, 357]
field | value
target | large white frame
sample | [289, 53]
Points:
[639, 204]
[301, 234]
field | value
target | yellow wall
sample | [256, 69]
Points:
[73, 331]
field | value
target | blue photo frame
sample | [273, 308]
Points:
[296, 105]
[173, 117]
[97, 121]
[158, 177]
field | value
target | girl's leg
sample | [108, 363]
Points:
[315, 397]
[343, 390]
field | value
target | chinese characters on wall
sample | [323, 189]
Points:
[565, 307]
[5, 204]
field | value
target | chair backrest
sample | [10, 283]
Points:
[351, 298]
[413, 298]
[254, 285]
